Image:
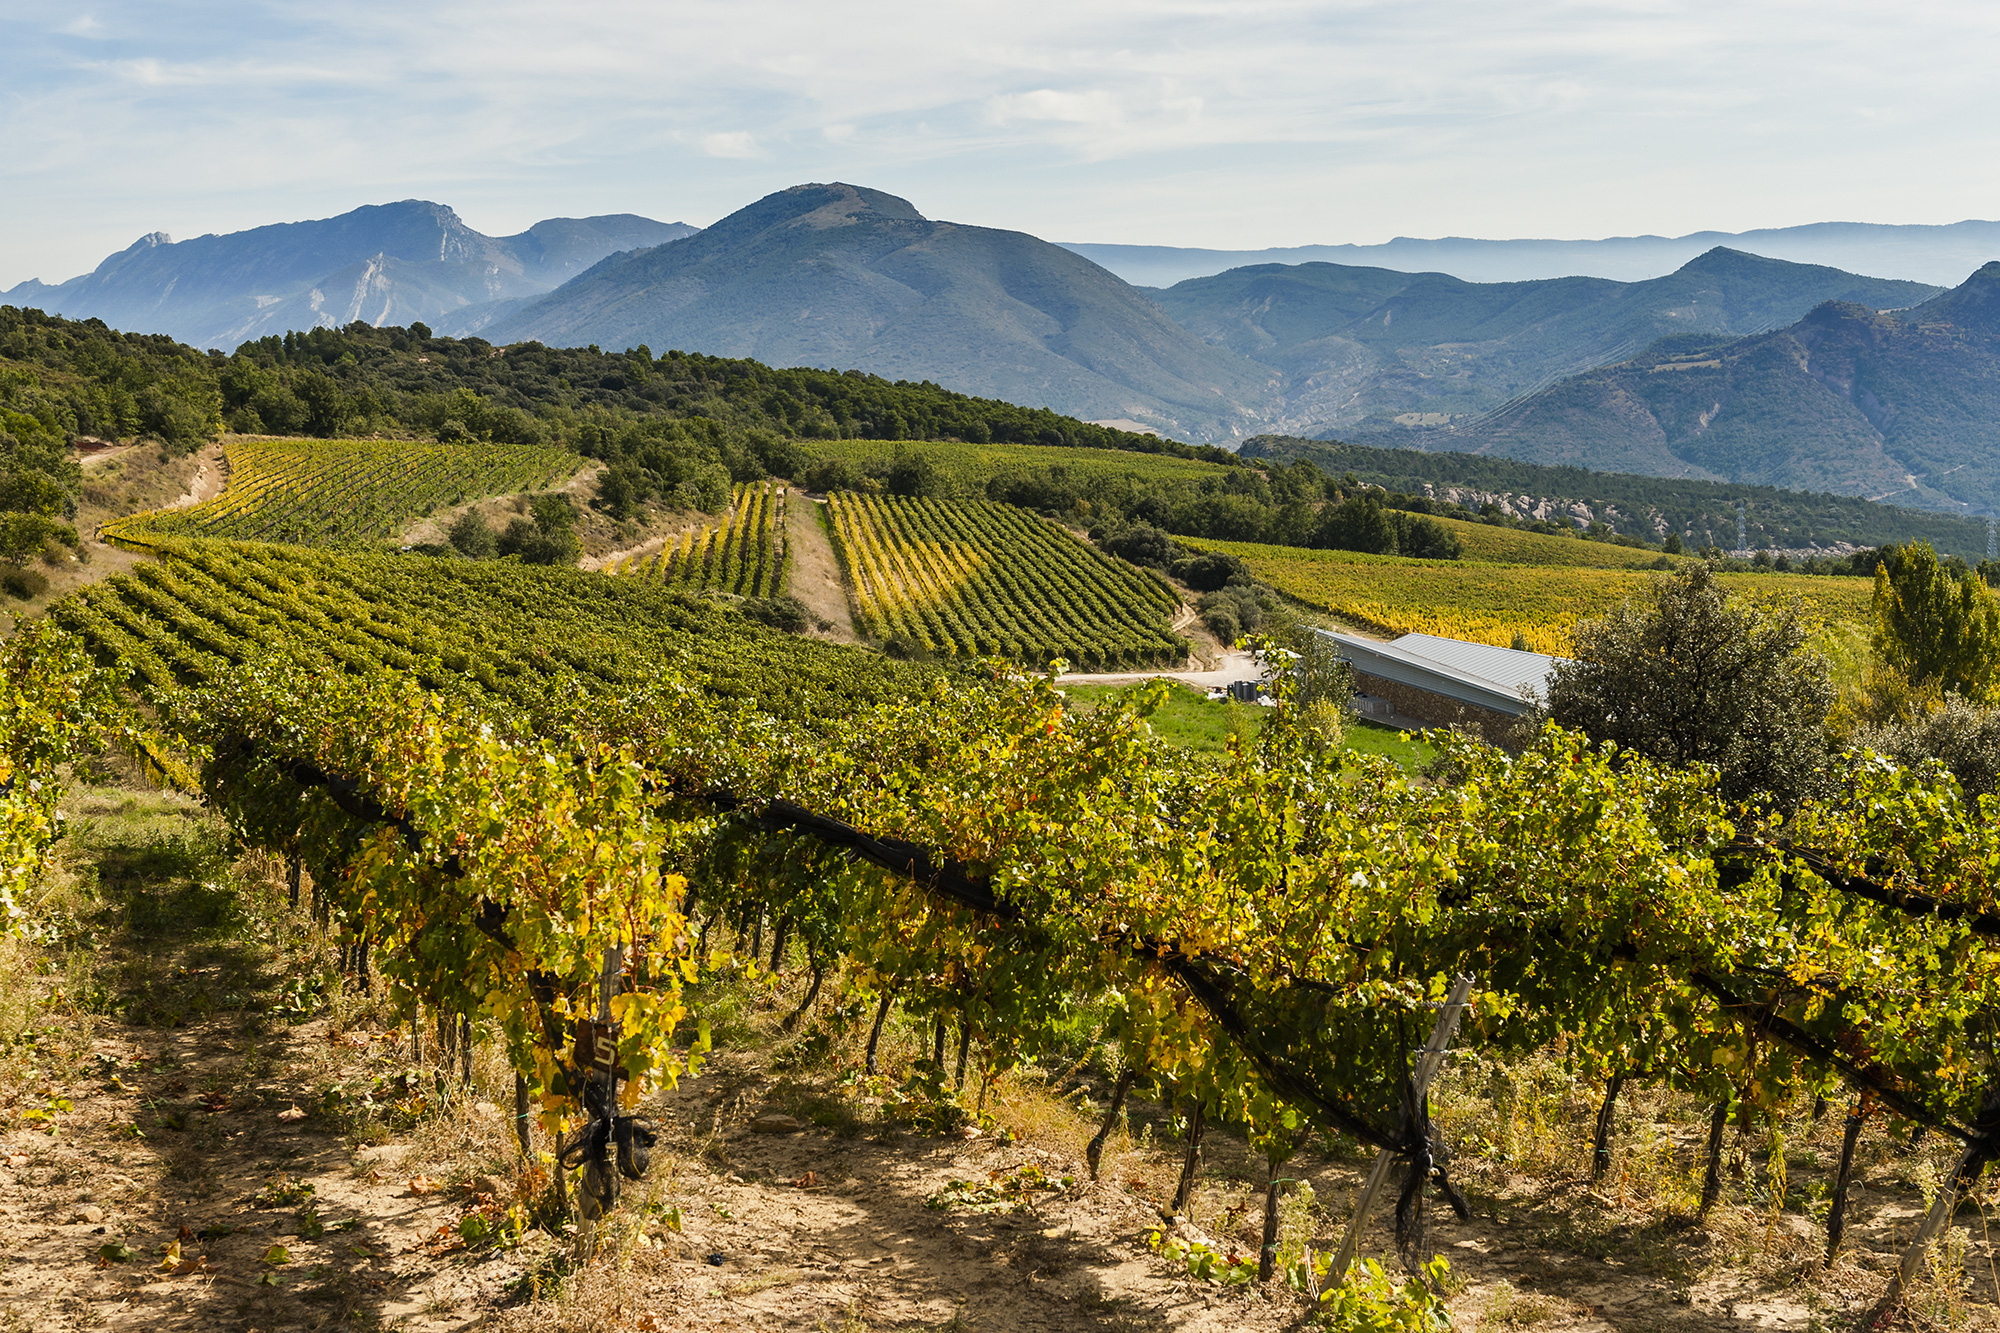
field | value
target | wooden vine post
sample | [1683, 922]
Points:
[1094, 1152]
[875, 1032]
[1191, 1162]
[1429, 1061]
[1711, 1179]
[1979, 1149]
[1836, 1217]
[1275, 1156]
[1600, 1148]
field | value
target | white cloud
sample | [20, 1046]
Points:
[1092, 107]
[1203, 122]
[736, 143]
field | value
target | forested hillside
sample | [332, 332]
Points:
[62, 381]
[675, 427]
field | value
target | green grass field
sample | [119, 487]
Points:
[1190, 720]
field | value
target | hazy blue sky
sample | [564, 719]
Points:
[1220, 124]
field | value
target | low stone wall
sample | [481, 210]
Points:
[1438, 711]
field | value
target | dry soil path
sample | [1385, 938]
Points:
[1234, 666]
[815, 577]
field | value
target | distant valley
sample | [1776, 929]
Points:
[1935, 254]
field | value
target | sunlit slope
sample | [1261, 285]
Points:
[339, 492]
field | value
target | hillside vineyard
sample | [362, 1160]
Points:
[1015, 861]
[318, 493]
[745, 554]
[977, 579]
[594, 825]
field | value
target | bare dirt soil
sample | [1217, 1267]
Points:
[815, 576]
[202, 1127]
[117, 480]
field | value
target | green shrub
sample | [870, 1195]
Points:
[25, 584]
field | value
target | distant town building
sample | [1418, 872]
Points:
[1449, 682]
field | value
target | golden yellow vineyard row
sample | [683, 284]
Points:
[1490, 603]
[974, 579]
[744, 552]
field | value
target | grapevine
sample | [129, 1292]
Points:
[497, 800]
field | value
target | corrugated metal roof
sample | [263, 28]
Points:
[1502, 679]
[1509, 668]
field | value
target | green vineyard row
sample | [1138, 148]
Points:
[209, 608]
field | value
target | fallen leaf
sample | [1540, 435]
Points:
[277, 1254]
[290, 1116]
[649, 1323]
[117, 1252]
[423, 1185]
[807, 1181]
[170, 1256]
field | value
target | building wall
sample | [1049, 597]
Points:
[1438, 711]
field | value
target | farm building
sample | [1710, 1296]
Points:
[1449, 682]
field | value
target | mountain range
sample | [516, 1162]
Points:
[1368, 352]
[382, 264]
[838, 275]
[1935, 254]
[1896, 405]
